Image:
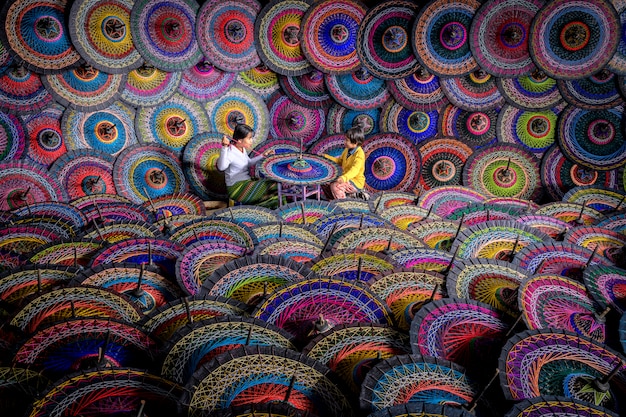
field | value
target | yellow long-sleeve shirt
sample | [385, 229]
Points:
[352, 166]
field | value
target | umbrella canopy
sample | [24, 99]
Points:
[17, 284]
[352, 266]
[533, 92]
[417, 125]
[598, 91]
[339, 119]
[357, 90]
[476, 91]
[552, 406]
[24, 183]
[13, 137]
[44, 136]
[442, 162]
[261, 80]
[606, 286]
[204, 82]
[418, 91]
[22, 92]
[534, 130]
[149, 86]
[476, 128]
[308, 89]
[602, 199]
[289, 119]
[84, 171]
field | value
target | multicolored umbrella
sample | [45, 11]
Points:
[597, 197]
[552, 406]
[392, 163]
[84, 171]
[572, 213]
[420, 91]
[475, 213]
[12, 132]
[476, 128]
[20, 283]
[22, 92]
[556, 302]
[308, 89]
[539, 362]
[239, 105]
[329, 35]
[164, 33]
[406, 215]
[37, 32]
[332, 227]
[24, 183]
[603, 241]
[351, 350]
[281, 230]
[476, 91]
[617, 63]
[142, 172]
[115, 231]
[199, 163]
[425, 259]
[225, 31]
[20, 387]
[104, 213]
[409, 379]
[100, 32]
[379, 239]
[204, 82]
[149, 86]
[606, 286]
[357, 90]
[436, 234]
[440, 36]
[598, 91]
[299, 169]
[110, 130]
[352, 265]
[339, 119]
[75, 253]
[171, 124]
[277, 28]
[306, 211]
[246, 374]
[261, 80]
[534, 92]
[23, 239]
[442, 162]
[498, 36]
[561, 42]
[406, 291]
[222, 230]
[616, 222]
[43, 136]
[175, 204]
[297, 250]
[414, 124]
[549, 225]
[289, 119]
[445, 199]
[534, 130]
[247, 215]
[504, 170]
[55, 209]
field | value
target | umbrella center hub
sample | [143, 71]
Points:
[235, 117]
[339, 33]
[422, 75]
[418, 121]
[513, 35]
[235, 31]
[176, 126]
[86, 73]
[290, 35]
[156, 178]
[48, 28]
[173, 29]
[581, 387]
[395, 39]
[602, 76]
[575, 36]
[539, 126]
[299, 166]
[505, 177]
[453, 36]
[362, 76]
[444, 170]
[365, 122]
[18, 198]
[93, 184]
[383, 167]
[204, 67]
[146, 71]
[114, 28]
[49, 139]
[296, 121]
[107, 131]
[583, 176]
[480, 77]
[601, 132]
[478, 123]
[538, 76]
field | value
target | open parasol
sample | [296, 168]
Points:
[24, 183]
[414, 124]
[409, 379]
[540, 362]
[22, 92]
[606, 285]
[37, 32]
[43, 136]
[308, 89]
[276, 30]
[100, 32]
[569, 41]
[420, 91]
[476, 91]
[299, 169]
[171, 124]
[84, 171]
[261, 80]
[110, 130]
[149, 86]
[197, 343]
[175, 204]
[19, 283]
[425, 259]
[357, 90]
[204, 229]
[103, 213]
[164, 33]
[281, 230]
[534, 130]
[603, 241]
[55, 209]
[12, 132]
[556, 302]
[116, 230]
[76, 253]
[445, 199]
[295, 249]
[359, 266]
[440, 36]
[475, 213]
[549, 225]
[225, 31]
[247, 215]
[436, 233]
[442, 162]
[572, 213]
[141, 172]
[289, 119]
[332, 227]
[248, 374]
[552, 406]
[328, 35]
[204, 82]
[615, 222]
[199, 163]
[476, 128]
[498, 36]
[22, 239]
[339, 119]
[351, 350]
[306, 211]
[598, 91]
[605, 200]
[534, 92]
[379, 239]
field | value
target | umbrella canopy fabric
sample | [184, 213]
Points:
[44, 136]
[418, 91]
[552, 406]
[534, 92]
[84, 172]
[22, 92]
[24, 183]
[149, 86]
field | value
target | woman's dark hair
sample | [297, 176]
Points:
[241, 131]
[355, 135]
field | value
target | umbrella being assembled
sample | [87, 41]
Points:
[226, 33]
[164, 33]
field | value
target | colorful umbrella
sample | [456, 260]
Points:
[247, 215]
[379, 239]
[476, 128]
[57, 210]
[297, 250]
[115, 231]
[222, 230]
[601, 199]
[22, 92]
[406, 215]
[199, 163]
[204, 82]
[616, 222]
[83, 172]
[357, 90]
[13, 137]
[261, 80]
[425, 259]
[420, 91]
[149, 86]
[289, 119]
[331, 227]
[606, 286]
[436, 234]
[24, 183]
[339, 119]
[306, 211]
[475, 213]
[69, 253]
[574, 214]
[299, 169]
[552, 406]
[115, 212]
[598, 91]
[308, 89]
[392, 163]
[415, 124]
[445, 199]
[534, 130]
[19, 283]
[352, 265]
[606, 242]
[534, 92]
[280, 230]
[549, 225]
[44, 137]
[225, 31]
[476, 91]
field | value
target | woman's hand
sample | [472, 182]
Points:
[225, 141]
[269, 152]
[340, 180]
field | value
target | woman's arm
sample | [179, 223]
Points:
[223, 161]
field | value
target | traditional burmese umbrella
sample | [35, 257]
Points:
[164, 33]
[406, 215]
[420, 91]
[552, 406]
[175, 204]
[357, 90]
[84, 343]
[417, 125]
[110, 130]
[249, 373]
[352, 265]
[498, 36]
[406, 291]
[445, 199]
[116, 212]
[601, 199]
[261, 80]
[339, 119]
[598, 91]
[225, 31]
[223, 230]
[534, 92]
[603, 241]
[12, 137]
[165, 321]
[279, 146]
[606, 285]
[199, 163]
[22, 92]
[328, 35]
[617, 63]
[534, 130]
[436, 234]
[37, 33]
[476, 91]
[489, 281]
[476, 213]
[43, 136]
[149, 86]
[204, 82]
[10, 260]
[25, 238]
[297, 250]
[281, 230]
[560, 40]
[289, 119]
[247, 215]
[379, 239]
[616, 222]
[198, 343]
[415, 379]
[559, 175]
[354, 205]
[352, 350]
[476, 128]
[115, 231]
[392, 163]
[385, 199]
[17, 284]
[24, 183]
[544, 362]
[332, 227]
[20, 387]
[556, 302]
[574, 214]
[70, 253]
[100, 32]
[116, 390]
[442, 162]
[306, 211]
[84, 171]
[75, 302]
[425, 259]
[276, 29]
[308, 89]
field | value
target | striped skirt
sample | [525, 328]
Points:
[261, 192]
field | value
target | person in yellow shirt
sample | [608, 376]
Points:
[352, 162]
